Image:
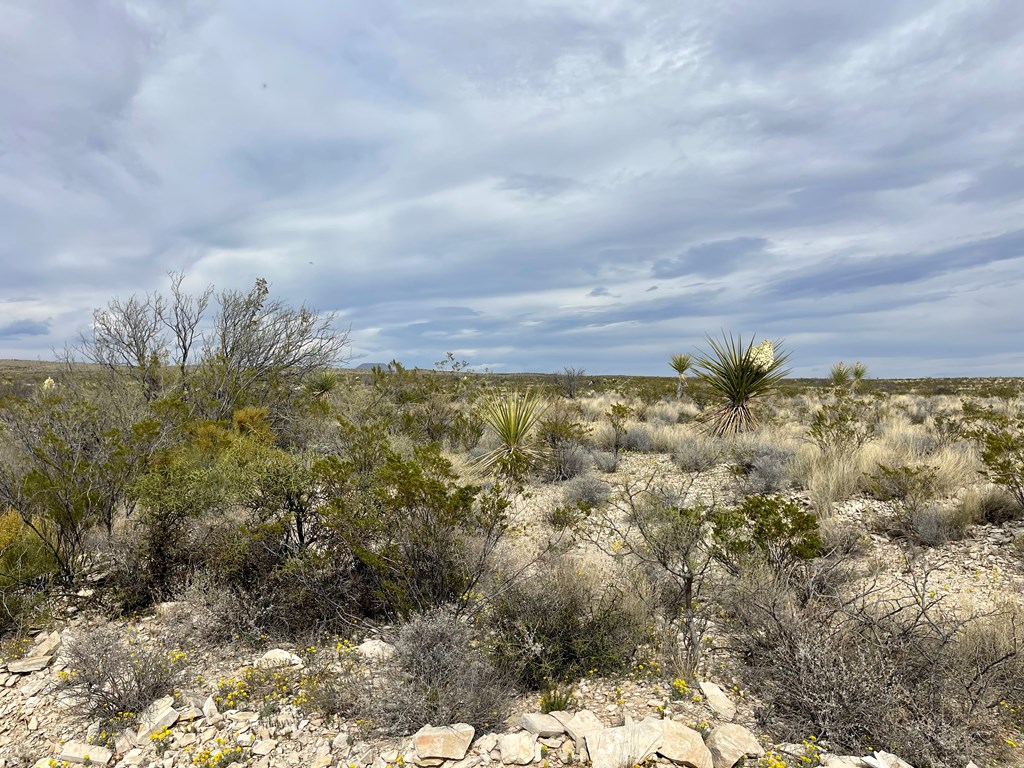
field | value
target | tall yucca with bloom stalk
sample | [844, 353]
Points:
[681, 363]
[512, 416]
[738, 375]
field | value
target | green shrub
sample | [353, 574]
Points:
[417, 538]
[1002, 447]
[776, 530]
[559, 624]
[910, 486]
[26, 566]
[841, 427]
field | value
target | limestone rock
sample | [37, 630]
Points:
[160, 714]
[210, 710]
[718, 700]
[625, 745]
[729, 743]
[449, 742]
[263, 747]
[562, 716]
[684, 746]
[376, 649]
[46, 645]
[582, 723]
[517, 748]
[80, 752]
[885, 760]
[486, 743]
[543, 725]
[842, 761]
[29, 664]
[278, 657]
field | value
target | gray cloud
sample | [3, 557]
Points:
[19, 328]
[473, 178]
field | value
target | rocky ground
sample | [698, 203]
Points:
[617, 723]
[614, 723]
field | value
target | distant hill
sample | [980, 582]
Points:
[370, 366]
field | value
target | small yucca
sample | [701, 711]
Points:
[512, 417]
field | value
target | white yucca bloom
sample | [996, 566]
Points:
[49, 384]
[763, 355]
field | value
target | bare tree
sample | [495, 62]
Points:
[261, 349]
[570, 380]
[183, 318]
[127, 336]
[255, 351]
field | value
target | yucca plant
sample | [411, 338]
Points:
[738, 375]
[512, 417]
[840, 375]
[322, 384]
[681, 363]
[843, 376]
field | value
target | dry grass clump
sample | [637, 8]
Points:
[933, 525]
[990, 504]
[698, 453]
[586, 490]
[763, 467]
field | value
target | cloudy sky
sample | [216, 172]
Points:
[531, 185]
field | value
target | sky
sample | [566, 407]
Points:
[529, 185]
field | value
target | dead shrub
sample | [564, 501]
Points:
[114, 679]
[878, 668]
[441, 673]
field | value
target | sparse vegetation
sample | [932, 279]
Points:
[514, 534]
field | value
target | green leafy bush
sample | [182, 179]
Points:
[779, 531]
[841, 427]
[1001, 436]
